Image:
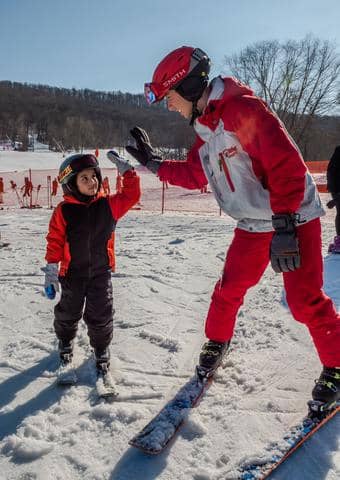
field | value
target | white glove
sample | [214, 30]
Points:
[120, 162]
[51, 280]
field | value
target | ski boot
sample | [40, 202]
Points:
[105, 385]
[326, 393]
[66, 374]
[102, 360]
[211, 358]
[65, 351]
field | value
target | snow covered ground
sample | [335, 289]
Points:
[167, 266]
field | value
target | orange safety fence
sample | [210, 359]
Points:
[46, 191]
[319, 166]
[319, 169]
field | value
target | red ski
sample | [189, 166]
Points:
[260, 470]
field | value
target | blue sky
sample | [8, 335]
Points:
[115, 44]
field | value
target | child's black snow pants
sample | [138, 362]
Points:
[96, 294]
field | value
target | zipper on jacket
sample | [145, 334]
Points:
[224, 166]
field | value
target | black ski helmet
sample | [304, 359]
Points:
[71, 166]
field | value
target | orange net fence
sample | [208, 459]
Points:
[35, 188]
[319, 171]
[319, 166]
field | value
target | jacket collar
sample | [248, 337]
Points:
[223, 90]
[72, 199]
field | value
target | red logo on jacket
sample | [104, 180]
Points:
[230, 152]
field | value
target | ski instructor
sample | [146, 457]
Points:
[259, 178]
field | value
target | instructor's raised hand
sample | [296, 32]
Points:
[144, 152]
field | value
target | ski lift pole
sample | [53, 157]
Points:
[163, 196]
[49, 197]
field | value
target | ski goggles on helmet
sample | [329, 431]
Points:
[155, 92]
[75, 164]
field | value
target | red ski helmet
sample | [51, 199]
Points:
[185, 70]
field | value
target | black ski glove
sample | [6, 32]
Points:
[144, 153]
[335, 199]
[331, 203]
[284, 249]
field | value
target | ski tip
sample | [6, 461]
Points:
[143, 449]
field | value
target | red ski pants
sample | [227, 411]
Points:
[247, 259]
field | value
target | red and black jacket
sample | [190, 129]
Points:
[81, 235]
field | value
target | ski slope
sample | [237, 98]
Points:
[167, 266]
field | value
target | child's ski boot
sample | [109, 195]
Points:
[105, 385]
[65, 352]
[66, 374]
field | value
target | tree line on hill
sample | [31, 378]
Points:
[71, 119]
[299, 80]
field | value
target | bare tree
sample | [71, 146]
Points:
[298, 79]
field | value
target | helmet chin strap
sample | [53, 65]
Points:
[195, 112]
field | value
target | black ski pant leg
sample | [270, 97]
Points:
[337, 217]
[69, 310]
[98, 314]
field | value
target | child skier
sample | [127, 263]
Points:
[80, 252]
[259, 178]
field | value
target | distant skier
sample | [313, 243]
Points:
[27, 189]
[54, 187]
[15, 189]
[333, 186]
[106, 186]
[258, 177]
[80, 252]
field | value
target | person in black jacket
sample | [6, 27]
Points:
[333, 186]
